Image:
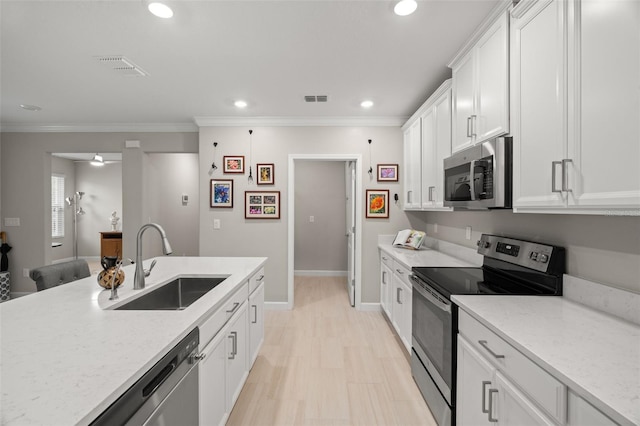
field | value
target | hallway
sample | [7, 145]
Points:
[324, 363]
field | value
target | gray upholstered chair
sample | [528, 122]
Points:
[59, 273]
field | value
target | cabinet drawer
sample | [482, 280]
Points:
[540, 386]
[210, 327]
[403, 273]
[386, 259]
[256, 280]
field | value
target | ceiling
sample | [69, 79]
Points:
[211, 53]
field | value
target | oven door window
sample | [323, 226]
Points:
[432, 331]
[470, 181]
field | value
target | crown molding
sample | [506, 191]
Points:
[300, 121]
[99, 128]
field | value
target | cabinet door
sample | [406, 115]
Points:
[428, 159]
[581, 413]
[538, 113]
[604, 143]
[405, 322]
[475, 379]
[442, 110]
[463, 107]
[513, 408]
[492, 79]
[412, 158]
[256, 323]
[385, 289]
[236, 354]
[212, 381]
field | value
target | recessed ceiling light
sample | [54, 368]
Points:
[30, 107]
[160, 10]
[405, 7]
[240, 104]
[366, 104]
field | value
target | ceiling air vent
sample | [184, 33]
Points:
[122, 65]
[314, 98]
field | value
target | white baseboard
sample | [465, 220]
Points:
[312, 273]
[276, 306]
[370, 307]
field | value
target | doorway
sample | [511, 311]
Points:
[351, 164]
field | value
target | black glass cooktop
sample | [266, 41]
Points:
[448, 281]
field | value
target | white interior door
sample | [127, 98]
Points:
[350, 169]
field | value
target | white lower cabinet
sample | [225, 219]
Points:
[401, 304]
[256, 322]
[581, 413]
[496, 384]
[232, 337]
[385, 284]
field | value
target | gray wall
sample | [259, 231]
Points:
[320, 188]
[102, 187]
[604, 249]
[26, 168]
[241, 237]
[68, 169]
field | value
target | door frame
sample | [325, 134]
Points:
[357, 158]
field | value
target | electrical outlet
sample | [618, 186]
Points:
[216, 223]
[468, 232]
[25, 272]
[312, 219]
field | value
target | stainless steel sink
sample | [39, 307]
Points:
[175, 295]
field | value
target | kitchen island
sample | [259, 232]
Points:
[66, 356]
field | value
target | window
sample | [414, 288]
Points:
[57, 206]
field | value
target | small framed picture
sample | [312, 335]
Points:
[377, 203]
[387, 172]
[262, 204]
[221, 193]
[265, 174]
[233, 164]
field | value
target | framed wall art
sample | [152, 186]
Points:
[221, 193]
[233, 164]
[377, 203]
[387, 172]
[262, 204]
[266, 174]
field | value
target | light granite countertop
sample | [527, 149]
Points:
[65, 359]
[594, 353]
[426, 257]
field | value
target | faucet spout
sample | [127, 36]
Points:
[138, 278]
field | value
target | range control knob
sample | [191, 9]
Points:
[533, 255]
[543, 258]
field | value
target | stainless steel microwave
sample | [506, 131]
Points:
[479, 177]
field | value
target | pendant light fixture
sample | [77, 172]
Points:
[405, 7]
[250, 179]
[370, 168]
[213, 164]
[97, 160]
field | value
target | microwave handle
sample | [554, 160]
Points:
[472, 184]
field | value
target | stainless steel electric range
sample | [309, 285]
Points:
[510, 267]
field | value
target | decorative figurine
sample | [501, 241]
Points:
[114, 221]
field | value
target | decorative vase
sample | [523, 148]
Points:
[105, 277]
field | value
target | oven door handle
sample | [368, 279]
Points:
[442, 305]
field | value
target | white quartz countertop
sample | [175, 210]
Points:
[595, 354]
[65, 359]
[424, 257]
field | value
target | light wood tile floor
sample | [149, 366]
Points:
[324, 363]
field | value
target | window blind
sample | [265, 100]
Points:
[57, 206]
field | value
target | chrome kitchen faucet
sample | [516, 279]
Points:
[140, 274]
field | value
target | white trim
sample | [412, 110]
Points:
[300, 121]
[370, 307]
[99, 128]
[312, 273]
[291, 219]
[277, 306]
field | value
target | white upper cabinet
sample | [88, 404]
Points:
[481, 87]
[412, 169]
[575, 114]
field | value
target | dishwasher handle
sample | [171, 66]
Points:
[159, 378]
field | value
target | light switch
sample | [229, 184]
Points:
[312, 218]
[11, 221]
[185, 198]
[216, 223]
[468, 232]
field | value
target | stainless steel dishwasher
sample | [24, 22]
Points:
[166, 395]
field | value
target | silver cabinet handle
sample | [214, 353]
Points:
[474, 124]
[409, 193]
[234, 349]
[468, 127]
[398, 290]
[565, 175]
[235, 306]
[431, 188]
[261, 278]
[384, 258]
[484, 394]
[553, 176]
[490, 413]
[255, 314]
[484, 344]
[384, 277]
[399, 271]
